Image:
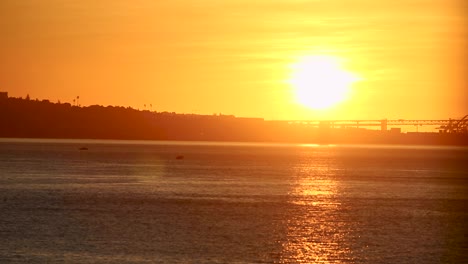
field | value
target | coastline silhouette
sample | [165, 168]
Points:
[26, 118]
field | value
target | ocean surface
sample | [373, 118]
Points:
[134, 202]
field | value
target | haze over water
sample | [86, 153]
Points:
[134, 202]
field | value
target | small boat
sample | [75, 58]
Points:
[180, 157]
[83, 148]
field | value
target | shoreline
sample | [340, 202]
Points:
[91, 141]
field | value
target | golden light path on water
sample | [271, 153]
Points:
[315, 232]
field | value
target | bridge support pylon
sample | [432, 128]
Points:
[383, 124]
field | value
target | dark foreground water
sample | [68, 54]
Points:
[134, 202]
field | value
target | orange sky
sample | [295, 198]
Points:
[234, 56]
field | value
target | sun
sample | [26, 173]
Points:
[321, 82]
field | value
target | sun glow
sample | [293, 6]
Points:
[321, 82]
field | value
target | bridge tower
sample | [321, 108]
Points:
[383, 124]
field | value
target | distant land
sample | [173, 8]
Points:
[27, 118]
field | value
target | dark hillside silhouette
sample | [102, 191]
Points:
[42, 119]
[25, 118]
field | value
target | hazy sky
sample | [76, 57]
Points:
[235, 56]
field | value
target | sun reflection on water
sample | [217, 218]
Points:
[316, 230]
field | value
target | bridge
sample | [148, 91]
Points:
[444, 125]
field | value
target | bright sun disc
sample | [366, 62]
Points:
[320, 81]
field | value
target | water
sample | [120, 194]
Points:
[134, 202]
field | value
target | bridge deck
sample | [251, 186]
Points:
[447, 125]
